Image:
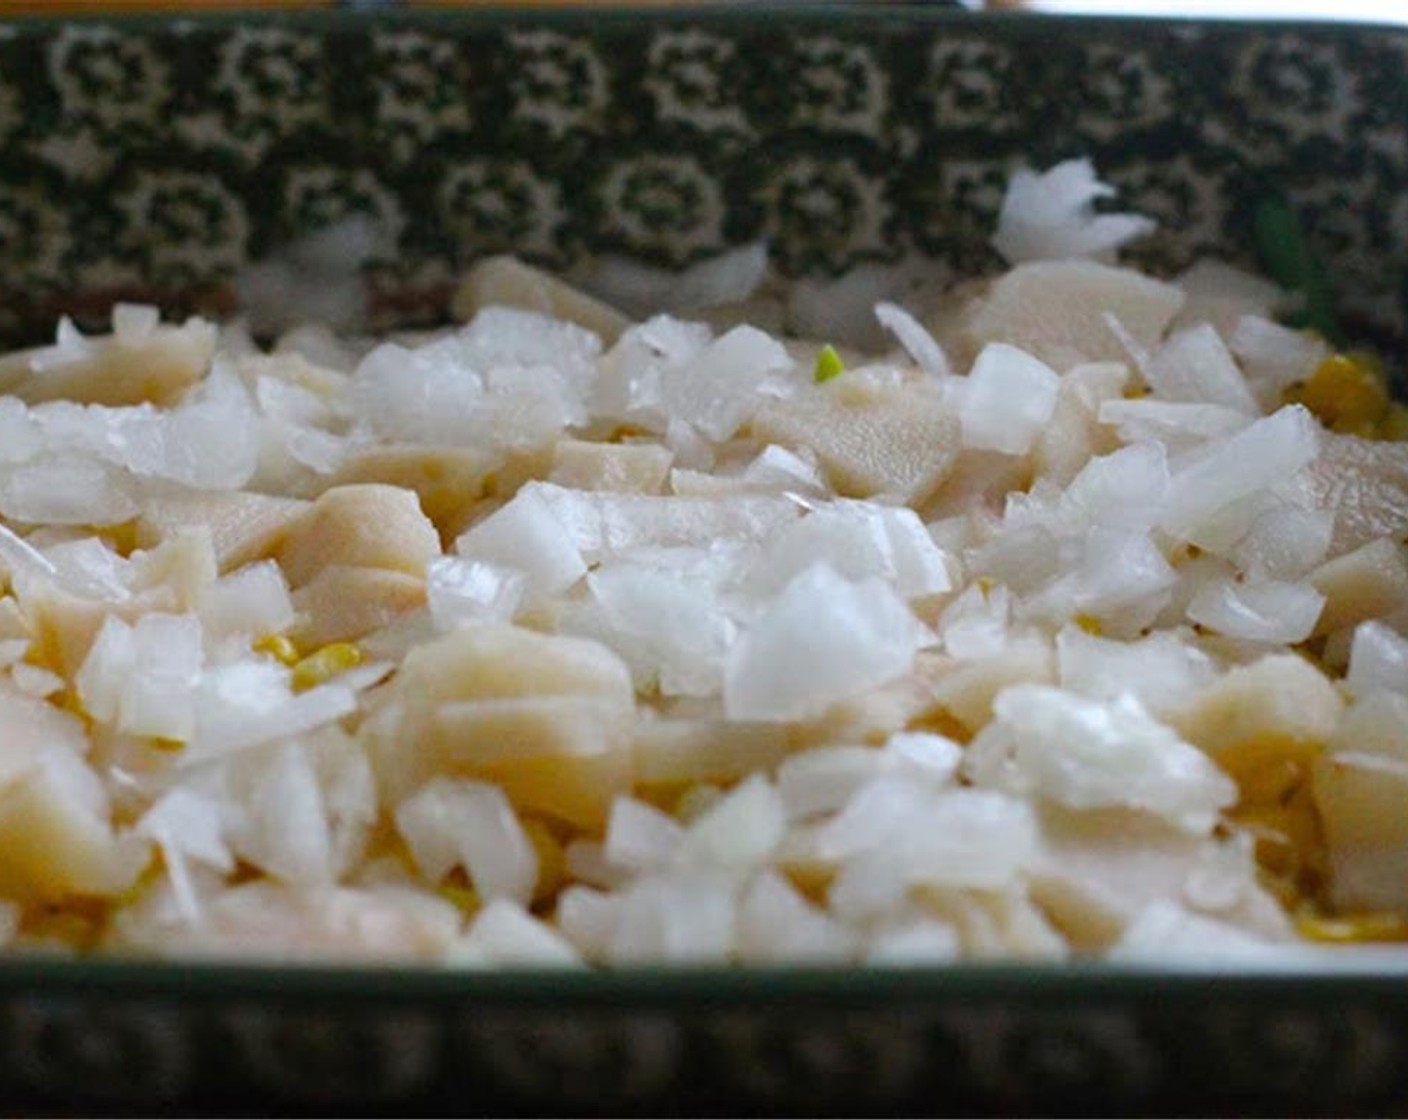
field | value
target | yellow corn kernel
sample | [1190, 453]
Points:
[552, 864]
[1089, 623]
[280, 648]
[1345, 929]
[1347, 392]
[1267, 769]
[123, 537]
[811, 878]
[1289, 841]
[326, 663]
[171, 746]
[69, 701]
[465, 899]
[156, 867]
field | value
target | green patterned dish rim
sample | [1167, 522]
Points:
[155, 156]
[1086, 1038]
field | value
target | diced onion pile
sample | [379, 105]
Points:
[1060, 613]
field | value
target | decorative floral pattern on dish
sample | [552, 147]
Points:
[855, 138]
[421, 86]
[108, 80]
[691, 78]
[318, 195]
[269, 83]
[557, 82]
[839, 87]
[664, 206]
[500, 206]
[33, 231]
[182, 224]
[823, 211]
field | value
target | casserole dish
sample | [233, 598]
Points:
[154, 157]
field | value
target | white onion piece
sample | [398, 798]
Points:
[1165, 931]
[508, 936]
[427, 394]
[673, 623]
[1275, 357]
[450, 823]
[160, 695]
[730, 277]
[739, 833]
[1086, 753]
[1008, 398]
[918, 343]
[190, 822]
[461, 591]
[975, 625]
[1177, 424]
[36, 682]
[681, 918]
[1378, 660]
[1123, 490]
[134, 322]
[252, 601]
[859, 540]
[720, 388]
[923, 755]
[639, 837]
[776, 925]
[1258, 610]
[823, 780]
[1163, 670]
[1194, 365]
[1285, 542]
[823, 640]
[1051, 215]
[1260, 456]
[248, 703]
[283, 826]
[922, 941]
[68, 490]
[602, 525]
[778, 470]
[527, 536]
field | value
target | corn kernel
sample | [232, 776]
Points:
[552, 864]
[280, 648]
[1265, 769]
[1089, 623]
[156, 867]
[171, 746]
[465, 899]
[123, 537]
[1347, 392]
[1345, 929]
[326, 663]
[811, 878]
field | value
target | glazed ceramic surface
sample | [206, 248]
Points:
[155, 157]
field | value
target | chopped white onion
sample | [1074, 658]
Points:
[1051, 215]
[1008, 398]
